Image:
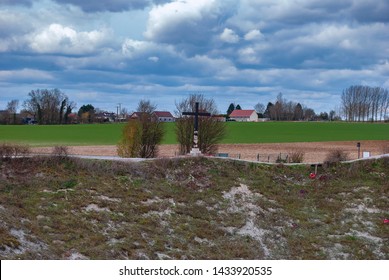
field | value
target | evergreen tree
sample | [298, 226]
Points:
[230, 109]
[238, 107]
[269, 106]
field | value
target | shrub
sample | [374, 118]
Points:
[131, 138]
[60, 151]
[141, 137]
[336, 156]
[8, 151]
[296, 156]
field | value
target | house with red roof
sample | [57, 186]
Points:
[163, 116]
[244, 116]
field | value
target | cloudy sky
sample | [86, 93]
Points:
[107, 52]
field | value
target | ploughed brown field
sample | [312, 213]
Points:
[313, 151]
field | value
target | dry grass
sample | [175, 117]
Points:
[192, 208]
[8, 151]
[336, 155]
[296, 156]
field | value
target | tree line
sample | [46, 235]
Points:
[284, 110]
[52, 106]
[364, 103]
[46, 106]
[49, 106]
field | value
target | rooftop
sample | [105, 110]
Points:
[241, 113]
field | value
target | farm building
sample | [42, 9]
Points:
[244, 116]
[164, 116]
[160, 115]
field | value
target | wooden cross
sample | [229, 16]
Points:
[196, 114]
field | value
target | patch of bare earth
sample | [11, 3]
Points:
[313, 151]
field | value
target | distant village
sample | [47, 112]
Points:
[54, 107]
[44, 106]
[111, 117]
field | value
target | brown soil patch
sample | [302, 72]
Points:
[313, 151]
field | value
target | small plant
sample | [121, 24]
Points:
[69, 184]
[296, 156]
[336, 156]
[60, 151]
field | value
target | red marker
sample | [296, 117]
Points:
[312, 175]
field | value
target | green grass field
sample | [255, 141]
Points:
[267, 132]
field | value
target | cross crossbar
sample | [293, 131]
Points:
[196, 114]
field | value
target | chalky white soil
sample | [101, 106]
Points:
[313, 151]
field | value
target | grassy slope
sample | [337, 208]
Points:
[192, 209]
[268, 132]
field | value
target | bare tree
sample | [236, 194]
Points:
[259, 108]
[145, 106]
[11, 111]
[48, 106]
[364, 103]
[211, 130]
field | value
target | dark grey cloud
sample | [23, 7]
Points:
[111, 5]
[371, 11]
[92, 6]
[16, 2]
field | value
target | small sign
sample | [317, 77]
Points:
[366, 154]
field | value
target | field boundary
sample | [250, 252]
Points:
[117, 158]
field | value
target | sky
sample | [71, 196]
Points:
[108, 52]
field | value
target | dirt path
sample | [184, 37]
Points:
[313, 151]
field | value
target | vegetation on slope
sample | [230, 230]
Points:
[192, 208]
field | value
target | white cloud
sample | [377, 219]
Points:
[229, 36]
[252, 35]
[154, 59]
[249, 56]
[136, 48]
[62, 39]
[169, 18]
[25, 74]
